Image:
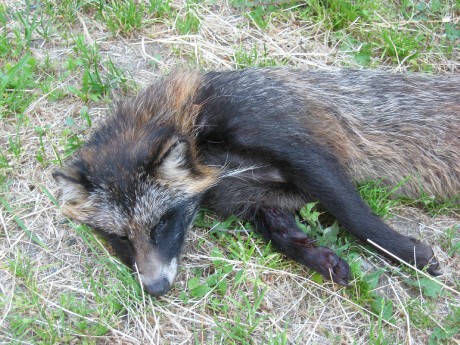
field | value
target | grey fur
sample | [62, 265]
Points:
[259, 143]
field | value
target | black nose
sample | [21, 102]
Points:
[157, 288]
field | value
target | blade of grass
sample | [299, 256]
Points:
[21, 224]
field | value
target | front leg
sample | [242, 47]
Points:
[279, 227]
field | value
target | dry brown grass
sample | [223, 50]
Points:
[34, 280]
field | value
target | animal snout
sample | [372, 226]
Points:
[158, 287]
[157, 276]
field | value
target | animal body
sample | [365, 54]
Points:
[260, 143]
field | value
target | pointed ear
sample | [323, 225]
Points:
[178, 165]
[175, 155]
[73, 193]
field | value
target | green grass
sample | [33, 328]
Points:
[36, 319]
[123, 17]
[188, 23]
[160, 8]
[98, 77]
[17, 81]
[58, 282]
[414, 34]
[254, 58]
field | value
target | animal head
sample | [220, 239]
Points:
[141, 193]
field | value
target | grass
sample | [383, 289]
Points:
[123, 17]
[61, 63]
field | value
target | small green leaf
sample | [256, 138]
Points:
[363, 56]
[331, 233]
[222, 287]
[212, 279]
[442, 334]
[193, 283]
[69, 121]
[372, 279]
[317, 278]
[452, 32]
[430, 287]
[383, 307]
[200, 291]
[308, 213]
[227, 268]
[216, 253]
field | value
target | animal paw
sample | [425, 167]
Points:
[424, 258]
[326, 262]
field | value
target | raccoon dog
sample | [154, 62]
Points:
[260, 143]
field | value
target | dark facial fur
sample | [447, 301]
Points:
[259, 143]
[139, 197]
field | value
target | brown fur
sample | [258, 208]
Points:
[259, 143]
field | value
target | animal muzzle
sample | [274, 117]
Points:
[158, 287]
[157, 277]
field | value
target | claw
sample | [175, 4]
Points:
[341, 273]
[433, 267]
[326, 262]
[341, 282]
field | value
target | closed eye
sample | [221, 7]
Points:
[156, 231]
[114, 237]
